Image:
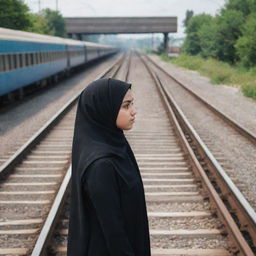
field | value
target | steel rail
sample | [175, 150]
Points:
[47, 231]
[128, 67]
[17, 157]
[238, 127]
[229, 191]
[239, 246]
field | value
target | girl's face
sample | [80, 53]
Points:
[127, 112]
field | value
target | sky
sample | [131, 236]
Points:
[129, 8]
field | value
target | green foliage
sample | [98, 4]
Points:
[229, 37]
[192, 43]
[14, 14]
[189, 15]
[56, 22]
[229, 26]
[207, 38]
[249, 90]
[39, 24]
[246, 44]
[244, 6]
[220, 72]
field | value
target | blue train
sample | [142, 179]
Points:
[28, 58]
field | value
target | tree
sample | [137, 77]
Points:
[244, 6]
[56, 22]
[207, 38]
[192, 44]
[246, 44]
[189, 15]
[39, 24]
[229, 25]
[14, 14]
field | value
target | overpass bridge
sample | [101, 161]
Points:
[78, 26]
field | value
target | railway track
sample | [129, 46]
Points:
[241, 210]
[182, 218]
[31, 177]
[227, 119]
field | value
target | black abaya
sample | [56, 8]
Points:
[108, 211]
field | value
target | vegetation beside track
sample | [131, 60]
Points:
[219, 72]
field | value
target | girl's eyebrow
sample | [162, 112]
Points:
[127, 101]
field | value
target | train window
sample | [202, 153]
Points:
[22, 60]
[1, 63]
[31, 57]
[17, 60]
[26, 60]
[36, 58]
[41, 57]
[10, 61]
[7, 63]
[14, 61]
[4, 65]
[45, 57]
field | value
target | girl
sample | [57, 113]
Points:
[108, 211]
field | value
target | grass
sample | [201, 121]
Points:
[219, 72]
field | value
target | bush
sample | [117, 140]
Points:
[246, 45]
[249, 90]
[220, 72]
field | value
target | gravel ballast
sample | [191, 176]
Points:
[238, 153]
[22, 121]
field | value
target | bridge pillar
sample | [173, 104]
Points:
[166, 41]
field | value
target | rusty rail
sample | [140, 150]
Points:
[239, 246]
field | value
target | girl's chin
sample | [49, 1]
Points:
[128, 127]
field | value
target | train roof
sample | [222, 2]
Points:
[17, 35]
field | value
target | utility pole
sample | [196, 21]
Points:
[57, 5]
[39, 6]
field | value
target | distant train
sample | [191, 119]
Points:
[28, 58]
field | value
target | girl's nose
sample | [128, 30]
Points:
[134, 111]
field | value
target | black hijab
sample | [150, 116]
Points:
[97, 136]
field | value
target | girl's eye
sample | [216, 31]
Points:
[126, 106]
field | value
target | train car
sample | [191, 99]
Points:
[26, 58]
